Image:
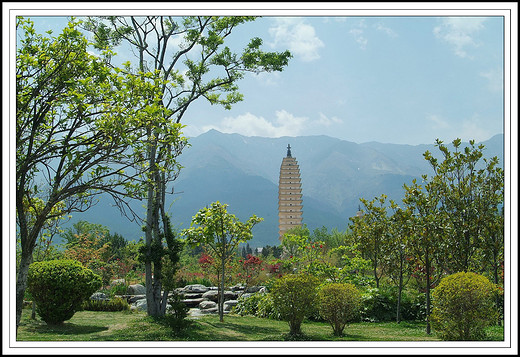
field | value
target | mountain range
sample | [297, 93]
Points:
[243, 172]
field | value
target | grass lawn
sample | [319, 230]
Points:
[125, 326]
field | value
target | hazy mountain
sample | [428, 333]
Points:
[243, 172]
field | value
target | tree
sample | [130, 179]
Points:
[370, 230]
[76, 117]
[185, 53]
[220, 233]
[397, 265]
[471, 191]
[425, 241]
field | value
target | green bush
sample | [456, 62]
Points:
[248, 305]
[266, 308]
[339, 304]
[59, 287]
[380, 305]
[463, 306]
[114, 304]
[117, 289]
[294, 297]
[176, 314]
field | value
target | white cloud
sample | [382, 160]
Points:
[495, 79]
[438, 122]
[473, 129]
[326, 121]
[387, 30]
[460, 33]
[300, 38]
[358, 33]
[249, 124]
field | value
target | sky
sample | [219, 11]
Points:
[405, 78]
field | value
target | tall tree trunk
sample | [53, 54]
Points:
[221, 300]
[427, 262]
[21, 285]
[398, 314]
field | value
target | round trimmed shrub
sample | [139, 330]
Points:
[463, 305]
[294, 297]
[59, 288]
[339, 304]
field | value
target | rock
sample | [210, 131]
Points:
[99, 296]
[254, 289]
[211, 295]
[192, 302]
[195, 288]
[204, 305]
[246, 295]
[134, 298]
[228, 305]
[230, 295]
[193, 295]
[213, 310]
[141, 305]
[238, 287]
[136, 289]
[117, 282]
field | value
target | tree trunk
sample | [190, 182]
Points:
[428, 327]
[21, 284]
[400, 290]
[221, 300]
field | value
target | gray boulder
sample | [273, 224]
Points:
[192, 302]
[136, 289]
[228, 305]
[204, 305]
[195, 288]
[99, 296]
[211, 295]
[134, 298]
[141, 305]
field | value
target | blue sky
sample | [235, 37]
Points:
[392, 79]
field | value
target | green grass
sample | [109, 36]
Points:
[126, 326]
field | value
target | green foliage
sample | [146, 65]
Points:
[339, 304]
[117, 289]
[294, 297]
[380, 304]
[248, 305]
[220, 233]
[463, 306]
[176, 314]
[114, 304]
[59, 287]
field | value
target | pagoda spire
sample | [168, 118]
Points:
[289, 195]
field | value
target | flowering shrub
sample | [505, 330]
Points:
[463, 305]
[249, 269]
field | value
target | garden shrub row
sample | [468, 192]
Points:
[464, 304]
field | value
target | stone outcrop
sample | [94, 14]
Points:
[199, 298]
[136, 289]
